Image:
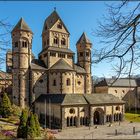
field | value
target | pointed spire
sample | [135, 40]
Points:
[21, 25]
[83, 39]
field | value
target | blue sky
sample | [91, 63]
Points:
[78, 17]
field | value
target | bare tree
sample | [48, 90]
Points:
[120, 34]
[5, 28]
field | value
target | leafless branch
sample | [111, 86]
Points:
[120, 36]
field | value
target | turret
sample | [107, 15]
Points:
[84, 59]
[22, 55]
[55, 41]
[54, 32]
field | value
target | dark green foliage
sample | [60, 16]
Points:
[37, 125]
[5, 106]
[16, 110]
[31, 127]
[22, 130]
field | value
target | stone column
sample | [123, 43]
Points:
[104, 121]
[123, 111]
[63, 122]
[91, 123]
[112, 116]
[78, 118]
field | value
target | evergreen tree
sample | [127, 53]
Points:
[22, 131]
[5, 107]
[37, 125]
[31, 128]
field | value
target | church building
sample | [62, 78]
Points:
[59, 88]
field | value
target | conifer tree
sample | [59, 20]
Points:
[5, 106]
[31, 128]
[37, 125]
[22, 131]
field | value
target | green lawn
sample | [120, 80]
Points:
[132, 116]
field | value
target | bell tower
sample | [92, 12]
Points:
[84, 60]
[21, 51]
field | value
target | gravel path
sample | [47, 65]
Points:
[124, 131]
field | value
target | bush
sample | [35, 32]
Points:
[37, 125]
[31, 127]
[16, 110]
[22, 129]
[5, 106]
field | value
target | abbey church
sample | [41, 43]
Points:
[59, 89]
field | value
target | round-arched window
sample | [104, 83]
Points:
[118, 108]
[55, 40]
[63, 41]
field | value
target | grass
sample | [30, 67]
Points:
[132, 116]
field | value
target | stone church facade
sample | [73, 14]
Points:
[55, 81]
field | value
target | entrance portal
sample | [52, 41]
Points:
[96, 117]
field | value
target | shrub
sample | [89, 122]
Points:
[5, 106]
[37, 125]
[31, 128]
[22, 129]
[16, 110]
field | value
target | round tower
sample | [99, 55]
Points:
[21, 50]
[84, 59]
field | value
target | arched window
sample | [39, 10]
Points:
[87, 54]
[24, 44]
[16, 44]
[63, 41]
[54, 82]
[68, 82]
[118, 108]
[55, 40]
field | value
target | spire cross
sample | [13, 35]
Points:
[54, 8]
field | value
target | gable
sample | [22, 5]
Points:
[57, 29]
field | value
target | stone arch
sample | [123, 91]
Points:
[98, 116]
[39, 84]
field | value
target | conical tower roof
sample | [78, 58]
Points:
[83, 39]
[52, 19]
[21, 25]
